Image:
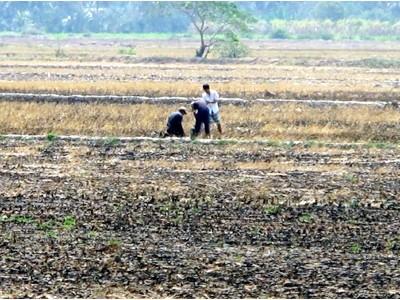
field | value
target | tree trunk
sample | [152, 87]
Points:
[201, 51]
[203, 47]
[206, 52]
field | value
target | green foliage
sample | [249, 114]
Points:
[51, 136]
[272, 143]
[50, 227]
[288, 145]
[18, 219]
[272, 209]
[52, 234]
[47, 225]
[23, 219]
[115, 243]
[256, 230]
[380, 145]
[349, 29]
[351, 178]
[224, 142]
[213, 19]
[127, 51]
[280, 34]
[355, 248]
[326, 36]
[92, 234]
[231, 47]
[329, 10]
[354, 203]
[238, 257]
[111, 142]
[167, 207]
[227, 16]
[69, 222]
[298, 20]
[306, 218]
[196, 210]
[310, 144]
[393, 244]
[178, 219]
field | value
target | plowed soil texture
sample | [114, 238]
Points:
[191, 220]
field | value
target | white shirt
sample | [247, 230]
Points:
[212, 101]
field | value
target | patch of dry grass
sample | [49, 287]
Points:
[272, 166]
[288, 166]
[186, 71]
[307, 70]
[286, 122]
[96, 49]
[246, 89]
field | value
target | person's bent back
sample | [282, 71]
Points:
[174, 123]
[202, 116]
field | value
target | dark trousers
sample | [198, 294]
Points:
[175, 131]
[199, 122]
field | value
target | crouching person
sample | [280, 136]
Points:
[174, 123]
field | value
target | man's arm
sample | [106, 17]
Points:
[207, 99]
[213, 97]
[217, 98]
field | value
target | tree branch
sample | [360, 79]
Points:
[211, 40]
[192, 18]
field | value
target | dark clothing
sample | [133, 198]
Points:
[202, 116]
[174, 124]
[201, 107]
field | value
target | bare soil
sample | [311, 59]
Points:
[194, 220]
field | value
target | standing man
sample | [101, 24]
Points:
[211, 97]
[202, 116]
[174, 123]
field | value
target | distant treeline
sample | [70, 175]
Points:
[325, 20]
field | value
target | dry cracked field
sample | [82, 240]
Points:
[296, 200]
[192, 220]
[287, 70]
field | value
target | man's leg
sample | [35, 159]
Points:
[207, 128]
[166, 133]
[173, 131]
[217, 119]
[178, 132]
[197, 127]
[219, 128]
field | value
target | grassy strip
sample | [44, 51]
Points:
[283, 122]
